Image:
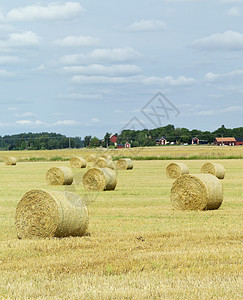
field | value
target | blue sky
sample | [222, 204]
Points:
[88, 67]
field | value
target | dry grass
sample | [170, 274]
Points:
[138, 248]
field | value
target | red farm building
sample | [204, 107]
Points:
[229, 141]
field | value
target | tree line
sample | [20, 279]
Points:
[145, 137]
[148, 137]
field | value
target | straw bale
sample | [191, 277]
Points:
[10, 161]
[215, 169]
[59, 176]
[197, 192]
[78, 162]
[101, 162]
[90, 157]
[107, 156]
[42, 213]
[124, 164]
[174, 170]
[99, 179]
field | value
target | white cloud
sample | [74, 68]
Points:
[157, 81]
[220, 111]
[66, 123]
[96, 69]
[114, 55]
[24, 122]
[53, 11]
[76, 96]
[11, 108]
[234, 12]
[231, 1]
[229, 40]
[169, 81]
[94, 120]
[147, 25]
[4, 60]
[26, 115]
[39, 68]
[211, 77]
[6, 74]
[77, 41]
[24, 39]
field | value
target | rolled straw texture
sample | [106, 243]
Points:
[90, 158]
[215, 169]
[174, 170]
[99, 179]
[42, 213]
[196, 192]
[101, 162]
[59, 176]
[77, 162]
[10, 161]
[124, 164]
[107, 156]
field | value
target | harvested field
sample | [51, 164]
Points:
[138, 246]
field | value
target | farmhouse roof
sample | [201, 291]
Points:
[225, 139]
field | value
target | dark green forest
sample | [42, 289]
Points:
[145, 137]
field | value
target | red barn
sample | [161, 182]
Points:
[161, 141]
[229, 141]
[127, 145]
[195, 141]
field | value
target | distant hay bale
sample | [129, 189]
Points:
[215, 169]
[59, 176]
[174, 170]
[78, 162]
[43, 214]
[10, 161]
[197, 192]
[124, 164]
[107, 156]
[90, 157]
[99, 179]
[112, 165]
[101, 162]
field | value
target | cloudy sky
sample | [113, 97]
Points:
[88, 67]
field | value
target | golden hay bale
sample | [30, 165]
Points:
[10, 161]
[43, 214]
[99, 179]
[124, 164]
[101, 162]
[197, 192]
[107, 156]
[78, 162]
[215, 169]
[112, 165]
[90, 157]
[59, 176]
[174, 170]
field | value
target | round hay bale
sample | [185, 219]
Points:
[90, 158]
[112, 165]
[215, 169]
[124, 164]
[43, 214]
[107, 156]
[78, 162]
[196, 192]
[10, 161]
[99, 179]
[59, 176]
[174, 170]
[101, 162]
